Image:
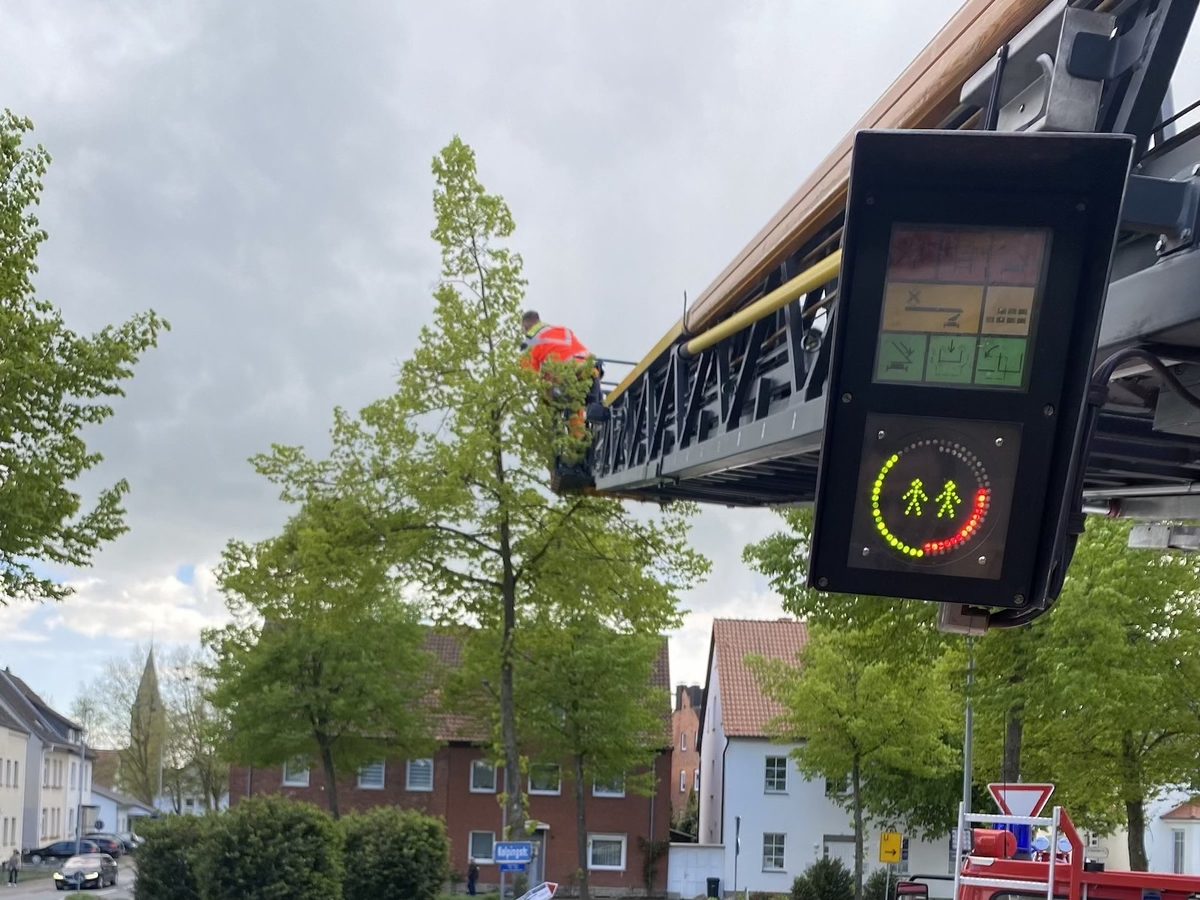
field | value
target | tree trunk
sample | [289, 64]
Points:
[515, 799]
[330, 775]
[1010, 769]
[581, 847]
[856, 786]
[1135, 815]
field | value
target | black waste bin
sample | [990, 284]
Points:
[714, 887]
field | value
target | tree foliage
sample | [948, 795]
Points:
[394, 854]
[323, 660]
[825, 879]
[856, 715]
[452, 470]
[166, 868]
[53, 384]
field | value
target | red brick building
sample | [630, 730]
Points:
[685, 758]
[459, 784]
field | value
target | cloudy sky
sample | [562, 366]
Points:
[259, 174]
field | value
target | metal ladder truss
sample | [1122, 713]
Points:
[734, 415]
[1058, 821]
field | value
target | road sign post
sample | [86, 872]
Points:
[973, 276]
[891, 844]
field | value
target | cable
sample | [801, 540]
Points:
[1097, 395]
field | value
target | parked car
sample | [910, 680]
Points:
[109, 842]
[63, 850]
[132, 841]
[91, 870]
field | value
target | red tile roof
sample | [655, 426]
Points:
[1188, 810]
[745, 712]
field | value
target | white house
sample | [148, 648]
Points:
[750, 788]
[117, 813]
[14, 748]
[57, 772]
[1172, 837]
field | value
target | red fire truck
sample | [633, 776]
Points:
[990, 870]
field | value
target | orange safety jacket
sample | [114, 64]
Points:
[555, 342]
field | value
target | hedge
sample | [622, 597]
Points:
[165, 861]
[394, 854]
[826, 879]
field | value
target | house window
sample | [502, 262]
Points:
[776, 781]
[72, 774]
[904, 856]
[5, 832]
[16, 773]
[8, 774]
[606, 852]
[420, 775]
[371, 775]
[44, 822]
[482, 843]
[773, 852]
[1177, 851]
[545, 778]
[682, 781]
[46, 772]
[611, 787]
[483, 777]
[683, 742]
[696, 780]
[295, 772]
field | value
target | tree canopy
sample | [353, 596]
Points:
[53, 384]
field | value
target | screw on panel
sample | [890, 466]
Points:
[822, 581]
[1080, 206]
[1160, 246]
[999, 442]
[983, 560]
[1048, 410]
[846, 397]
[866, 551]
[870, 199]
[881, 434]
[1019, 600]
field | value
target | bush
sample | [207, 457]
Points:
[826, 879]
[166, 861]
[394, 854]
[877, 883]
[271, 848]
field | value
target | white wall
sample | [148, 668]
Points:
[712, 745]
[689, 866]
[1160, 841]
[12, 793]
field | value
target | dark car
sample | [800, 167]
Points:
[111, 844]
[64, 850]
[90, 870]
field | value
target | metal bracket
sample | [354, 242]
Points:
[1164, 536]
[1098, 57]
[962, 618]
[1166, 206]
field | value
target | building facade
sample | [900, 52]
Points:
[752, 794]
[460, 783]
[115, 812]
[685, 757]
[14, 751]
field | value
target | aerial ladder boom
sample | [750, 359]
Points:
[728, 406]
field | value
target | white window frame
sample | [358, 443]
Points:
[782, 867]
[408, 779]
[544, 793]
[605, 790]
[481, 860]
[624, 839]
[682, 781]
[482, 763]
[683, 742]
[1178, 851]
[295, 779]
[382, 776]
[767, 789]
[696, 779]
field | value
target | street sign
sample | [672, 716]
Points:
[513, 852]
[890, 845]
[1020, 799]
[974, 271]
[513, 867]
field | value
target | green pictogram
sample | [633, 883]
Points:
[915, 495]
[947, 500]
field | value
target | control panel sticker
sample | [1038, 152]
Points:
[949, 290]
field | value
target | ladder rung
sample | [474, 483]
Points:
[1010, 884]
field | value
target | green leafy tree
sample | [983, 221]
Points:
[453, 468]
[688, 818]
[1115, 676]
[53, 384]
[585, 692]
[854, 714]
[323, 660]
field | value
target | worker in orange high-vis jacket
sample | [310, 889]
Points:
[556, 342]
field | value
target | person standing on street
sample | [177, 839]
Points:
[14, 866]
[472, 876]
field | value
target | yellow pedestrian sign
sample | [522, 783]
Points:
[889, 846]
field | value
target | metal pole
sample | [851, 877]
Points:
[968, 728]
[79, 810]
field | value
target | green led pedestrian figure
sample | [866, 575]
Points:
[947, 500]
[915, 495]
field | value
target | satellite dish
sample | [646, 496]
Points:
[1041, 843]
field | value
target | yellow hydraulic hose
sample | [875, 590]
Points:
[810, 279]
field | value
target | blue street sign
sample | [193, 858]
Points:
[513, 852]
[512, 867]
